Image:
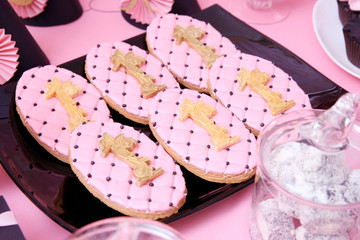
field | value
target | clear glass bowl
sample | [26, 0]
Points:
[279, 213]
[126, 228]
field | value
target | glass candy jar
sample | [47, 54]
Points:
[307, 184]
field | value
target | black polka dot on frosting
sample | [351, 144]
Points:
[109, 195]
[187, 158]
[108, 179]
[128, 197]
[89, 175]
[151, 184]
[207, 159]
[130, 182]
[171, 204]
[56, 140]
[262, 124]
[247, 166]
[39, 134]
[173, 187]
[149, 199]
[249, 153]
[227, 163]
[32, 75]
[92, 162]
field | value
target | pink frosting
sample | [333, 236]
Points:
[160, 194]
[48, 118]
[184, 61]
[247, 105]
[121, 87]
[192, 142]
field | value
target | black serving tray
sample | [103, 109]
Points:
[54, 188]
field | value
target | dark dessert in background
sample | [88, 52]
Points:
[30, 54]
[345, 13]
[352, 41]
[351, 30]
[57, 12]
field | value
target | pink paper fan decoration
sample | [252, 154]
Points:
[8, 57]
[30, 10]
[144, 11]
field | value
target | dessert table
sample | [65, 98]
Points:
[226, 219]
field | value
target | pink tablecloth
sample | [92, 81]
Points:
[227, 219]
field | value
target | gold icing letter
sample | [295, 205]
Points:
[131, 64]
[122, 148]
[65, 92]
[257, 82]
[192, 36]
[201, 114]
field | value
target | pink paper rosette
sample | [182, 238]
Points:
[29, 8]
[8, 57]
[144, 11]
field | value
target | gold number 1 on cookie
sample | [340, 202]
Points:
[65, 92]
[131, 64]
[192, 36]
[201, 114]
[122, 148]
[256, 81]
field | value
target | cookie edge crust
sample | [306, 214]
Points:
[122, 209]
[209, 176]
[53, 152]
[178, 78]
[115, 106]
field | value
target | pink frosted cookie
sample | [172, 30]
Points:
[248, 105]
[188, 47]
[127, 77]
[126, 170]
[52, 101]
[203, 136]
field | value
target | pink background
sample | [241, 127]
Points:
[227, 219]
